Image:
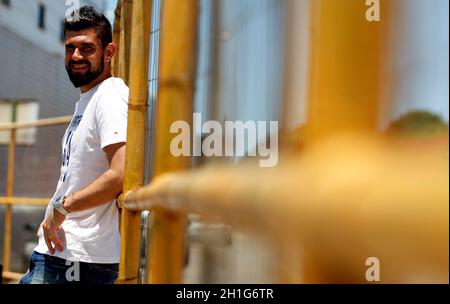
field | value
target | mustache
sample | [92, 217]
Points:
[71, 62]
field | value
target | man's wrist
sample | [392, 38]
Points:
[58, 206]
[67, 205]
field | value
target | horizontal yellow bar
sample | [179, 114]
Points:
[5, 200]
[347, 199]
[38, 123]
[14, 276]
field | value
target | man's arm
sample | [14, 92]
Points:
[104, 189]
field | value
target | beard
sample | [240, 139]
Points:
[81, 79]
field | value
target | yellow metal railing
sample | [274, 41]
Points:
[174, 102]
[138, 46]
[10, 200]
[342, 202]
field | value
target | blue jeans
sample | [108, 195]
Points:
[47, 269]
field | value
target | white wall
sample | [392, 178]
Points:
[418, 71]
[250, 59]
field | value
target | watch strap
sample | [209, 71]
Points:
[62, 210]
[59, 206]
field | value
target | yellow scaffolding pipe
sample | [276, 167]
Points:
[9, 192]
[174, 102]
[346, 55]
[116, 38]
[126, 17]
[45, 122]
[135, 148]
[346, 199]
[346, 58]
[24, 201]
[12, 276]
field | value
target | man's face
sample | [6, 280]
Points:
[84, 56]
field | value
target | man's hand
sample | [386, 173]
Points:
[50, 225]
[39, 229]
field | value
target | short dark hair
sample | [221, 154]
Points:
[87, 17]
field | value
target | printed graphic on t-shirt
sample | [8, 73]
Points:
[67, 145]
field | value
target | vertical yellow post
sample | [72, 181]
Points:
[346, 56]
[126, 17]
[116, 38]
[345, 59]
[9, 191]
[175, 102]
[135, 149]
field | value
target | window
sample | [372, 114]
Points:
[6, 2]
[25, 111]
[41, 17]
[62, 34]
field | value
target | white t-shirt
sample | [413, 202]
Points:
[100, 119]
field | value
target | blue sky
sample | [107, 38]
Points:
[110, 6]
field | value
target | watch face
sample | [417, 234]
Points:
[58, 202]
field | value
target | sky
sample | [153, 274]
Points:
[110, 6]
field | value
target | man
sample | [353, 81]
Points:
[79, 238]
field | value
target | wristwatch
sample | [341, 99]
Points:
[58, 205]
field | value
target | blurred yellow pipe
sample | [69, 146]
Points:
[116, 38]
[24, 201]
[346, 56]
[345, 200]
[125, 39]
[175, 102]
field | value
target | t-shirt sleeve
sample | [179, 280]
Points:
[111, 117]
